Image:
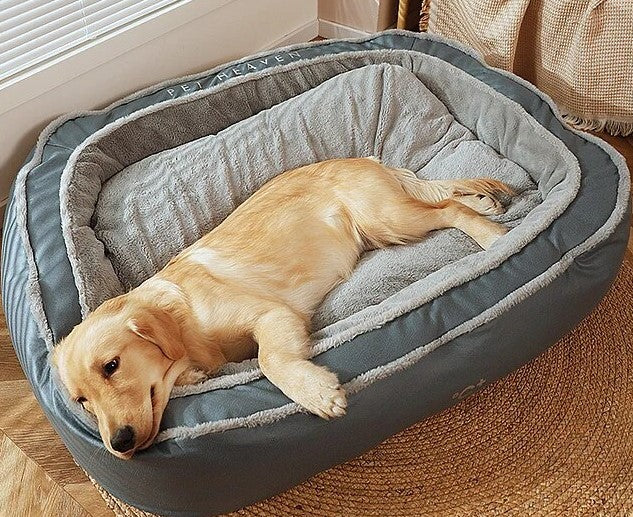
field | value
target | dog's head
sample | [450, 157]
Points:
[121, 363]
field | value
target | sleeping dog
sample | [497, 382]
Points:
[249, 287]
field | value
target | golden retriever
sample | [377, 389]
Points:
[250, 286]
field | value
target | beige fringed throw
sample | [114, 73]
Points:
[580, 52]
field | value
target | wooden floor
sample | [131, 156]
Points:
[38, 476]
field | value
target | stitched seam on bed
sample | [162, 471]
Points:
[36, 304]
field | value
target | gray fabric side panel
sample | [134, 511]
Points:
[427, 387]
[19, 214]
[14, 279]
[55, 281]
[29, 345]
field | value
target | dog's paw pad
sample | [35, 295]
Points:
[333, 402]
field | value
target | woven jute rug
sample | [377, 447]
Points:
[553, 438]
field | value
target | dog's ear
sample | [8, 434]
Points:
[161, 328]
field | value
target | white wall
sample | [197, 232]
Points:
[193, 36]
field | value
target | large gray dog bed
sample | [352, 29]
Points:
[108, 197]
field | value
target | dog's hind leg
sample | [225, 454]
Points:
[284, 351]
[482, 194]
[409, 221]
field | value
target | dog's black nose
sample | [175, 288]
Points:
[123, 439]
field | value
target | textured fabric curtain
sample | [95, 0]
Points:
[580, 52]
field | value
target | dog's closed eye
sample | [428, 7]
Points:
[110, 367]
[80, 400]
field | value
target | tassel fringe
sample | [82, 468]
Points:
[613, 127]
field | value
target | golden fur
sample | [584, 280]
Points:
[250, 286]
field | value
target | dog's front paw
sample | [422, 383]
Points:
[192, 376]
[321, 394]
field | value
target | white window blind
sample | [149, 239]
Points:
[34, 31]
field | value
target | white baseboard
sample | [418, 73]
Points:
[307, 32]
[331, 30]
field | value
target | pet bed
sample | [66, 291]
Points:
[107, 197]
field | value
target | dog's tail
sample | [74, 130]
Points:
[434, 191]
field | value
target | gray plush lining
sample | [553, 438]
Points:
[186, 191]
[125, 142]
[511, 132]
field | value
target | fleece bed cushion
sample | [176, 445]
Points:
[185, 191]
[427, 335]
